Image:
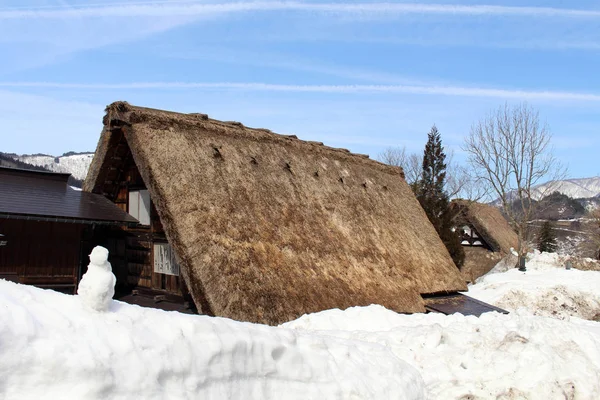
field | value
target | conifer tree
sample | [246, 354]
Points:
[547, 238]
[433, 198]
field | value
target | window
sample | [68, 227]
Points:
[139, 206]
[164, 260]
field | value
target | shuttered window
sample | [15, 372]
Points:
[139, 206]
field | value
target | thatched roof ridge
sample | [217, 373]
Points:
[267, 227]
[122, 112]
[489, 222]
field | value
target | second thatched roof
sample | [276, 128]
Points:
[268, 227]
[489, 223]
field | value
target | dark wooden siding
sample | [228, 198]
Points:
[134, 264]
[139, 243]
[44, 254]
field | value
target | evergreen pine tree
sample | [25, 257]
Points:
[434, 199]
[547, 238]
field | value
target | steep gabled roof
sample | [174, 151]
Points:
[267, 227]
[489, 223]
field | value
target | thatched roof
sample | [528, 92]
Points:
[489, 223]
[267, 227]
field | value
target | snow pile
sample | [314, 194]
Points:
[51, 347]
[492, 357]
[97, 286]
[546, 289]
[58, 346]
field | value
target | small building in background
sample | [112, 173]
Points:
[44, 224]
[485, 235]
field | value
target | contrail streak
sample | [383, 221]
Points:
[257, 86]
[170, 9]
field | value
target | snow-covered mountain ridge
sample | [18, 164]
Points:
[76, 164]
[583, 188]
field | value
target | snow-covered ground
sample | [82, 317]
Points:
[54, 346]
[547, 288]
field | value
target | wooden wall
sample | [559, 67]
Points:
[44, 254]
[139, 242]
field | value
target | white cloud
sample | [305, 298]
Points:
[553, 40]
[165, 9]
[546, 95]
[30, 43]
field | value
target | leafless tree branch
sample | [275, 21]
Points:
[510, 152]
[399, 157]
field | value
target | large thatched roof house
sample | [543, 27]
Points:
[266, 227]
[486, 236]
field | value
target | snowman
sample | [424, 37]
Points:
[97, 286]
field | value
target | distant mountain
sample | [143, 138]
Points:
[72, 163]
[558, 206]
[76, 164]
[583, 188]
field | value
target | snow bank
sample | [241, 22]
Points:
[52, 347]
[546, 289]
[492, 357]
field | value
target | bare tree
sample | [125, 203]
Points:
[463, 185]
[399, 157]
[395, 156]
[510, 151]
[595, 235]
[459, 181]
[413, 168]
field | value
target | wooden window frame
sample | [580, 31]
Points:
[140, 195]
[173, 271]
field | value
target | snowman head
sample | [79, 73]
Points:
[99, 256]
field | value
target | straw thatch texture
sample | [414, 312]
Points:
[267, 227]
[492, 227]
[479, 261]
[489, 223]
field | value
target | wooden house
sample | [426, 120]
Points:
[485, 235]
[262, 227]
[43, 225]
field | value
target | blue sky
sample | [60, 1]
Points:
[360, 75]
